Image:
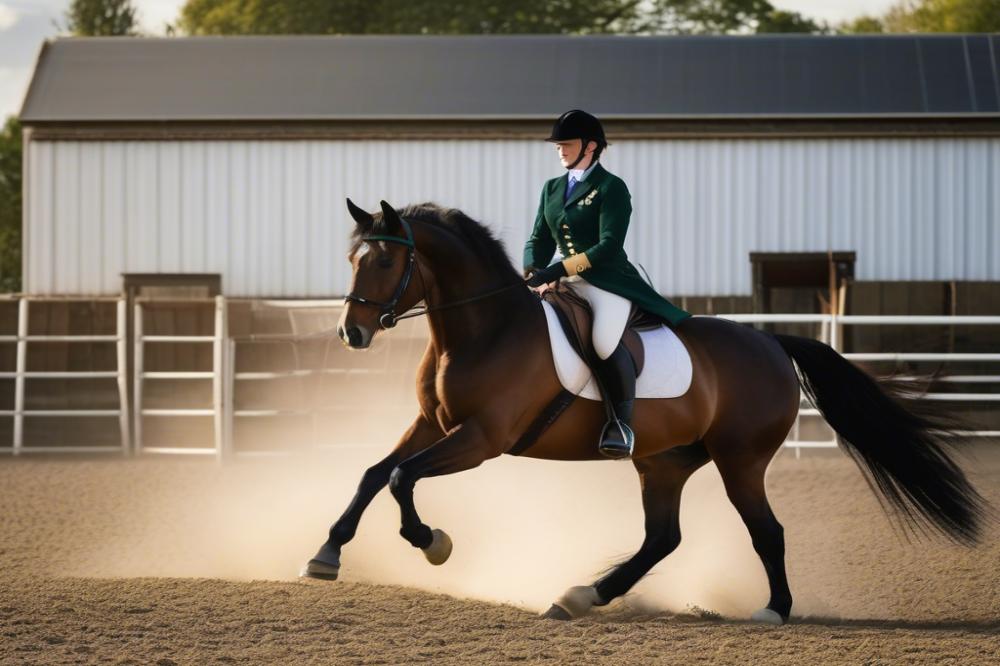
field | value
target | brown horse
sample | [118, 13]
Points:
[488, 373]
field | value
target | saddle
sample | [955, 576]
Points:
[577, 318]
[663, 363]
[665, 374]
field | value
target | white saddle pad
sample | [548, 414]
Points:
[666, 372]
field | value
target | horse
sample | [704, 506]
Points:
[488, 373]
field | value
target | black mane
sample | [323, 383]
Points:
[476, 236]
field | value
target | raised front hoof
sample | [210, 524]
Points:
[320, 570]
[575, 602]
[556, 613]
[440, 549]
[767, 616]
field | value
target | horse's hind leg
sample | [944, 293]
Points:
[662, 477]
[744, 482]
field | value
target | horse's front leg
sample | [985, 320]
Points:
[326, 564]
[466, 446]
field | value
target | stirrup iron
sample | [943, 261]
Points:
[617, 440]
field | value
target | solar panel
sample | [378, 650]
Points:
[521, 76]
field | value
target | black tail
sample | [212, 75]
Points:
[902, 450]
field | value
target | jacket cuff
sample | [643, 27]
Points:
[576, 263]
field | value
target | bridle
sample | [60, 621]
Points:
[387, 311]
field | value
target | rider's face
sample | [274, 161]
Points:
[568, 150]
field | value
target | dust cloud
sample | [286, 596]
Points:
[524, 530]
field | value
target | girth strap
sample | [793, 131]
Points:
[542, 422]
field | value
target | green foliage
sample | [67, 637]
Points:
[101, 18]
[779, 20]
[954, 16]
[912, 16]
[862, 25]
[250, 17]
[726, 17]
[10, 205]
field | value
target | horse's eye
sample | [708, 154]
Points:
[385, 261]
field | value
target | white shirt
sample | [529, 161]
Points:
[581, 174]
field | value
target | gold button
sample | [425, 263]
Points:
[567, 236]
[569, 243]
[565, 226]
[572, 251]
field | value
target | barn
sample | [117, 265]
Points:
[796, 174]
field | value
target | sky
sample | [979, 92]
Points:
[24, 24]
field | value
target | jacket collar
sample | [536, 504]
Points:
[593, 179]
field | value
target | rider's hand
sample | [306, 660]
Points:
[541, 289]
[547, 274]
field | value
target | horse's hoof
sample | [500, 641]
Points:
[326, 564]
[767, 616]
[556, 613]
[575, 602]
[320, 570]
[440, 549]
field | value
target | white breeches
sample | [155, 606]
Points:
[610, 314]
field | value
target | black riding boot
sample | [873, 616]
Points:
[616, 378]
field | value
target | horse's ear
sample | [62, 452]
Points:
[391, 217]
[362, 217]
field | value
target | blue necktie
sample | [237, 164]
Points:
[569, 188]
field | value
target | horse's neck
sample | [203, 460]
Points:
[457, 274]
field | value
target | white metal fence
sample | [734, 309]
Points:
[224, 378]
[217, 375]
[21, 374]
[831, 332]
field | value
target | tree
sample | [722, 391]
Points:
[955, 16]
[932, 16]
[10, 205]
[862, 25]
[779, 20]
[101, 18]
[726, 17]
[250, 17]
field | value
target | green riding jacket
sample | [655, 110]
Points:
[594, 220]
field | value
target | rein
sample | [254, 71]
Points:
[388, 317]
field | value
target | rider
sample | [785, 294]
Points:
[585, 215]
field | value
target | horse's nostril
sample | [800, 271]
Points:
[341, 334]
[354, 336]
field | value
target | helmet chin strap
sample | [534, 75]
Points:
[583, 147]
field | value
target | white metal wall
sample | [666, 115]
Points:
[270, 216]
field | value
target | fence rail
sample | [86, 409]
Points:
[831, 333]
[20, 413]
[217, 375]
[225, 379]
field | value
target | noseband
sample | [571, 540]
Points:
[387, 311]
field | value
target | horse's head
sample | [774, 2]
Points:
[383, 284]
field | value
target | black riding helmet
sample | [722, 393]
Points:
[577, 124]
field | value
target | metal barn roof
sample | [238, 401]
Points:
[512, 77]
